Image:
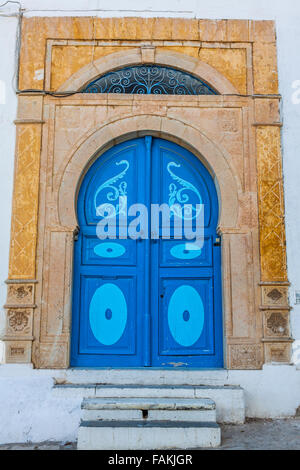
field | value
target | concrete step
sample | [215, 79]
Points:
[143, 435]
[229, 399]
[157, 409]
[143, 376]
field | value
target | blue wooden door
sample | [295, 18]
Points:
[146, 301]
[186, 287]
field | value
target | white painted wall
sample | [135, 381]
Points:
[31, 410]
[287, 17]
[8, 103]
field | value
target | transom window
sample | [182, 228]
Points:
[149, 79]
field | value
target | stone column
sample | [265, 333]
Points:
[274, 282]
[21, 282]
[240, 267]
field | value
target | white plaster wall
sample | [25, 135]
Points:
[31, 411]
[287, 17]
[8, 103]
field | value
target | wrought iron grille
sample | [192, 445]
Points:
[149, 79]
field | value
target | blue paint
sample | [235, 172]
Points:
[148, 302]
[186, 315]
[109, 250]
[185, 251]
[108, 314]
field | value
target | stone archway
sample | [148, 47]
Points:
[216, 160]
[149, 54]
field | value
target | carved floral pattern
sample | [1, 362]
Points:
[18, 320]
[277, 324]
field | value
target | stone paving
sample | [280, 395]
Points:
[283, 434]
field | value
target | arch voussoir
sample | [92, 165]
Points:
[117, 60]
[193, 139]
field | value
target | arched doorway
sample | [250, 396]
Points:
[151, 301]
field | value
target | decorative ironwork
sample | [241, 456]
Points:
[147, 80]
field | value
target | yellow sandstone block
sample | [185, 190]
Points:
[212, 30]
[67, 60]
[238, 30]
[271, 204]
[265, 68]
[262, 31]
[230, 62]
[25, 202]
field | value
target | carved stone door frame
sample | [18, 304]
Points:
[236, 135]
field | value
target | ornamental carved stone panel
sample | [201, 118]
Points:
[236, 134]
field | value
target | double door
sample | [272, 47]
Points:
[144, 297]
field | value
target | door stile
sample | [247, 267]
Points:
[155, 294]
[146, 241]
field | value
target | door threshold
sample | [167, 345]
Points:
[149, 368]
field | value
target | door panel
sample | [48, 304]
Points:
[185, 253]
[184, 320]
[180, 181]
[109, 322]
[97, 252]
[118, 173]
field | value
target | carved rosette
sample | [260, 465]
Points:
[19, 321]
[276, 323]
